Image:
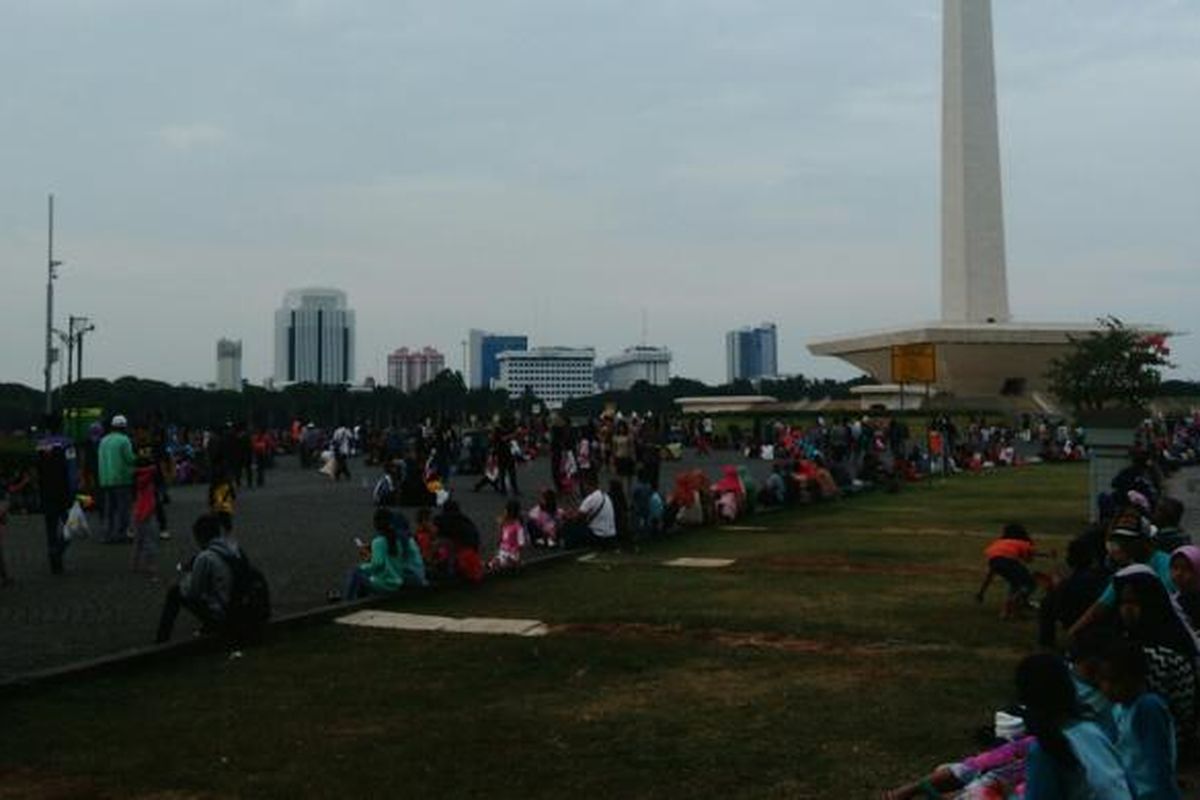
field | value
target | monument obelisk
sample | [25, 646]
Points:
[975, 352]
[974, 283]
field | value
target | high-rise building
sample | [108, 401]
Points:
[314, 338]
[641, 363]
[409, 370]
[484, 348]
[229, 365]
[553, 374]
[751, 353]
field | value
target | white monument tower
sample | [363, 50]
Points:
[975, 351]
[974, 283]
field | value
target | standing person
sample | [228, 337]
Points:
[261, 446]
[506, 460]
[623, 454]
[57, 476]
[116, 480]
[620, 505]
[145, 540]
[221, 498]
[341, 442]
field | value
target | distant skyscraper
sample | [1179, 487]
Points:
[409, 370]
[484, 347]
[751, 353]
[314, 338]
[229, 365]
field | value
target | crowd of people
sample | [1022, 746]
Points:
[1110, 706]
[1117, 714]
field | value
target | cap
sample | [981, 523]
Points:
[119, 421]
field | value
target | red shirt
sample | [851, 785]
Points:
[1016, 549]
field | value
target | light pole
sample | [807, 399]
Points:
[51, 274]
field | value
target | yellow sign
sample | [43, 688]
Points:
[914, 363]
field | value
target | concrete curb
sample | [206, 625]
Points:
[162, 653]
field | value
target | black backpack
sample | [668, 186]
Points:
[249, 601]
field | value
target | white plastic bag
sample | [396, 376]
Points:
[76, 526]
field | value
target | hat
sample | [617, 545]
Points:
[119, 421]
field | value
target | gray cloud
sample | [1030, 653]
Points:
[557, 167]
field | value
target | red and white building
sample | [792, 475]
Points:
[409, 370]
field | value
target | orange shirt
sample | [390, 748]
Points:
[1017, 549]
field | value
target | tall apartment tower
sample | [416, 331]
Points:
[751, 353]
[229, 365]
[409, 370]
[314, 338]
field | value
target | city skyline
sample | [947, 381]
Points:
[787, 148]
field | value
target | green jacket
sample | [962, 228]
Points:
[116, 460]
[385, 572]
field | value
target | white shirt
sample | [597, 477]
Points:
[604, 523]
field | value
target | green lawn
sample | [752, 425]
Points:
[841, 653]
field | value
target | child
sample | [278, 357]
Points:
[1185, 574]
[1007, 557]
[491, 475]
[145, 543]
[221, 496]
[512, 534]
[545, 519]
[1145, 729]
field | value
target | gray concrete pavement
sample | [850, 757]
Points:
[298, 528]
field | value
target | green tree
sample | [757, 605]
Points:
[1112, 367]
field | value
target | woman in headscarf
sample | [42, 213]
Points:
[1152, 619]
[1185, 574]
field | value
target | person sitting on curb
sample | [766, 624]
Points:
[594, 523]
[382, 567]
[205, 587]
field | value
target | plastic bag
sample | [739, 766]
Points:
[76, 526]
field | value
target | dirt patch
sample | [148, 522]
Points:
[762, 640]
[25, 783]
[827, 564]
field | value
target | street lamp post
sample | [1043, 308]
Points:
[51, 274]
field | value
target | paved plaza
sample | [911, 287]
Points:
[298, 529]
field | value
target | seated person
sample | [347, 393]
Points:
[594, 523]
[382, 567]
[1070, 597]
[205, 586]
[545, 519]
[1145, 728]
[1185, 573]
[458, 531]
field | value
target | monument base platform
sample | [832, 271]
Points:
[973, 360]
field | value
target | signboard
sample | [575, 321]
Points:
[914, 363]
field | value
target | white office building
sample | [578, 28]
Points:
[314, 338]
[553, 374]
[634, 364]
[229, 365]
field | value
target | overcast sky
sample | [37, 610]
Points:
[556, 167]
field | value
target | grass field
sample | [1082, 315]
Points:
[841, 653]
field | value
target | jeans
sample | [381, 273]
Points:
[357, 585]
[174, 602]
[118, 507]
